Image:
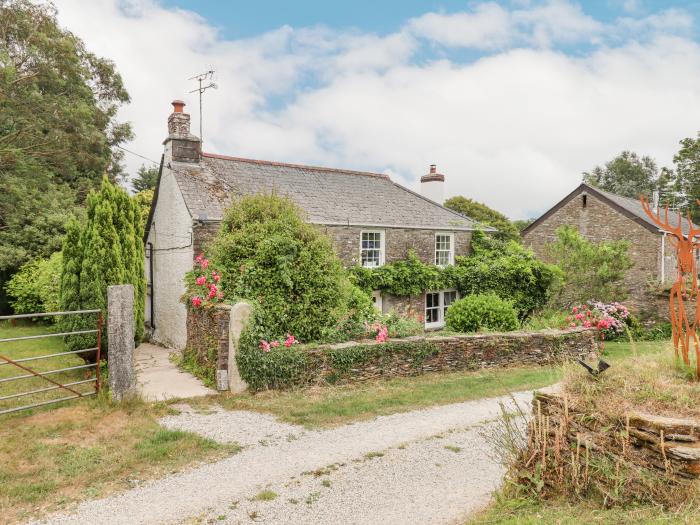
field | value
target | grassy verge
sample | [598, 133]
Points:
[526, 512]
[53, 456]
[88, 449]
[331, 406]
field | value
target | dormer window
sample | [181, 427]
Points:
[372, 248]
[444, 249]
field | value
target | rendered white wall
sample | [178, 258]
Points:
[172, 258]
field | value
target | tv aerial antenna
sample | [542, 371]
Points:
[205, 81]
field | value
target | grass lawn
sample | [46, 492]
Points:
[53, 456]
[525, 512]
[33, 348]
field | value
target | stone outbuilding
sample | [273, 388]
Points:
[602, 216]
[370, 219]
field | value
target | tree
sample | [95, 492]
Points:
[146, 179]
[106, 249]
[629, 175]
[592, 271]
[484, 215]
[687, 162]
[58, 130]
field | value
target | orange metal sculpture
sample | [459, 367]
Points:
[685, 288]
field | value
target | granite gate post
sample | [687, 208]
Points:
[240, 315]
[120, 337]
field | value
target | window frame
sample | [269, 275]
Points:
[440, 307]
[382, 247]
[451, 256]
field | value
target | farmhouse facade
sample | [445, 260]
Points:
[602, 216]
[370, 219]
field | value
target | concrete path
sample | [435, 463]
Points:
[431, 466]
[159, 379]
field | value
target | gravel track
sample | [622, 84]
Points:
[414, 480]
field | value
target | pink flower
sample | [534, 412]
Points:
[573, 325]
[220, 295]
[575, 309]
[196, 301]
[275, 344]
[212, 294]
[213, 288]
[215, 276]
[382, 335]
[290, 340]
[579, 316]
[201, 281]
[587, 324]
[199, 258]
[265, 346]
[205, 263]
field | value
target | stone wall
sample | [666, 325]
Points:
[398, 243]
[419, 354]
[208, 338]
[598, 221]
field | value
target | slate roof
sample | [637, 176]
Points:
[328, 195]
[635, 207]
[630, 207]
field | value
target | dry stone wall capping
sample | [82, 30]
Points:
[664, 443]
[208, 336]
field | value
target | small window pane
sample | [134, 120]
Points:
[432, 308]
[371, 249]
[443, 250]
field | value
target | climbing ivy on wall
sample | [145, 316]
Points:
[504, 268]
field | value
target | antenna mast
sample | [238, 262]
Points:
[201, 79]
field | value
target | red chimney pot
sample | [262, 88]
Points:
[433, 168]
[178, 105]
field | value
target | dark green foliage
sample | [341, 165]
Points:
[36, 286]
[146, 179]
[504, 268]
[57, 129]
[105, 250]
[268, 253]
[592, 271]
[481, 312]
[485, 216]
[510, 271]
[627, 175]
[687, 162]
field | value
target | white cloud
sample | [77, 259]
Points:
[514, 129]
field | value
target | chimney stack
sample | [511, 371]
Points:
[432, 185]
[183, 146]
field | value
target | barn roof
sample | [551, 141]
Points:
[632, 208]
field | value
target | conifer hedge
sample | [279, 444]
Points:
[103, 250]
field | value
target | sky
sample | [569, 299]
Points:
[512, 100]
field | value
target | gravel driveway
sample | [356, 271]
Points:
[429, 466]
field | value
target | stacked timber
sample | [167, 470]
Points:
[648, 440]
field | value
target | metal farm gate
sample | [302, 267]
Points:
[62, 378]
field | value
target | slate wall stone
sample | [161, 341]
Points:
[598, 221]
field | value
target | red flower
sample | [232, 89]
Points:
[196, 301]
[201, 281]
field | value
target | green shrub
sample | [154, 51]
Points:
[592, 271]
[36, 286]
[401, 326]
[547, 319]
[481, 311]
[269, 254]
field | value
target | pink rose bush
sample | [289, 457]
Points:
[609, 319]
[290, 340]
[206, 287]
[377, 329]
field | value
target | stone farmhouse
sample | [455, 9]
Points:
[602, 216]
[370, 219]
